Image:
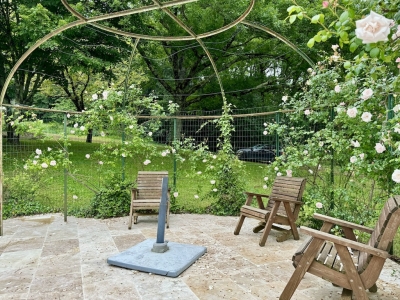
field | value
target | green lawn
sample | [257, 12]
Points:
[88, 176]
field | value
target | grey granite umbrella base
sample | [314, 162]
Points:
[170, 263]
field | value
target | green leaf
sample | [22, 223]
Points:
[310, 43]
[300, 16]
[344, 16]
[347, 65]
[315, 19]
[293, 8]
[374, 52]
[292, 18]
[317, 38]
[353, 47]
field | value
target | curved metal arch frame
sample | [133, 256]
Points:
[157, 5]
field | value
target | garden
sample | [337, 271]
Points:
[88, 108]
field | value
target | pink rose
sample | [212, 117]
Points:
[325, 4]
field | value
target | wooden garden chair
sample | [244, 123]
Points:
[146, 197]
[352, 265]
[283, 207]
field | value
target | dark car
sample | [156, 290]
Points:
[258, 153]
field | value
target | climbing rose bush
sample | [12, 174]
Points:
[352, 104]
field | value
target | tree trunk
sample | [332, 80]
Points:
[89, 137]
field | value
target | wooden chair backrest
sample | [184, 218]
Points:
[149, 184]
[385, 229]
[287, 188]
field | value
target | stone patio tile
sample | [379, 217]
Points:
[56, 265]
[66, 284]
[22, 244]
[126, 241]
[18, 260]
[217, 287]
[157, 287]
[58, 247]
[110, 289]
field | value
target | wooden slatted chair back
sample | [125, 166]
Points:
[384, 231]
[149, 184]
[287, 188]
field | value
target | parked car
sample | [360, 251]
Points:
[258, 153]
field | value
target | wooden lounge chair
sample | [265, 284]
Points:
[342, 260]
[283, 207]
[146, 197]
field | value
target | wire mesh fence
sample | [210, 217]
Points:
[35, 184]
[74, 170]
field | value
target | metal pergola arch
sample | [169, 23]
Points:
[157, 5]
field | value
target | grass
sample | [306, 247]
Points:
[88, 176]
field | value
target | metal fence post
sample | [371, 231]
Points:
[331, 118]
[277, 119]
[65, 169]
[174, 155]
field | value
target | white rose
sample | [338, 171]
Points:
[38, 151]
[212, 181]
[284, 98]
[146, 162]
[105, 94]
[379, 148]
[279, 174]
[396, 108]
[373, 28]
[318, 205]
[265, 186]
[337, 88]
[352, 112]
[44, 165]
[366, 94]
[362, 155]
[53, 163]
[94, 96]
[176, 194]
[396, 176]
[307, 112]
[353, 159]
[265, 132]
[87, 156]
[355, 144]
[366, 117]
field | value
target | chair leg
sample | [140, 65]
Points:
[373, 289]
[239, 224]
[346, 294]
[302, 267]
[269, 224]
[266, 232]
[259, 227]
[130, 217]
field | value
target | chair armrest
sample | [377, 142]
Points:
[345, 242]
[287, 200]
[343, 223]
[256, 194]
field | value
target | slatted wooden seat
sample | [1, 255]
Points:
[146, 197]
[283, 207]
[352, 265]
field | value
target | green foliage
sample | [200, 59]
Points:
[229, 186]
[21, 195]
[113, 200]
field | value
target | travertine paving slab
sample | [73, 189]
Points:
[42, 257]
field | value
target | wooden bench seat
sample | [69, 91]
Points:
[146, 197]
[354, 266]
[282, 207]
